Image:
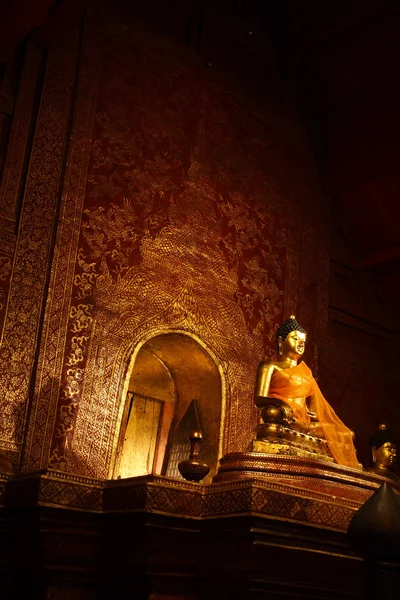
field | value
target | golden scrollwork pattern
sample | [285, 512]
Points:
[57, 318]
[172, 225]
[13, 173]
[29, 274]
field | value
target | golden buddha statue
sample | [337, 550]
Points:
[384, 453]
[292, 408]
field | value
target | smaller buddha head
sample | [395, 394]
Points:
[291, 339]
[383, 448]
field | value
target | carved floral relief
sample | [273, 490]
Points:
[184, 227]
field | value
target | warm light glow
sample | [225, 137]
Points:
[172, 369]
[141, 437]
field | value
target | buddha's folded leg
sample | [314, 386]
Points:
[315, 428]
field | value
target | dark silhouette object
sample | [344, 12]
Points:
[374, 533]
[193, 469]
[179, 447]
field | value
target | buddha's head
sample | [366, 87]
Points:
[383, 448]
[291, 339]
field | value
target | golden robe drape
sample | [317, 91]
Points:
[294, 385]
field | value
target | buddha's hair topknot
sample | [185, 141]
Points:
[291, 324]
[381, 436]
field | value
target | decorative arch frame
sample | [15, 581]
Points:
[128, 360]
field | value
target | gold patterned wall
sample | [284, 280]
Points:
[29, 196]
[181, 210]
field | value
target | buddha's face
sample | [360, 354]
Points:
[294, 345]
[385, 455]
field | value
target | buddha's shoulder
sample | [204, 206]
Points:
[270, 365]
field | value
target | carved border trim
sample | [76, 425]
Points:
[28, 281]
[44, 402]
[11, 181]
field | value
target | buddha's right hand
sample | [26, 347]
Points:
[313, 416]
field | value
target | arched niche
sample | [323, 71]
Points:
[174, 386]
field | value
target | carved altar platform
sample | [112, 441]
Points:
[316, 476]
[235, 538]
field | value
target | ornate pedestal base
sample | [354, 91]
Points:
[279, 432]
[277, 448]
[285, 441]
[319, 476]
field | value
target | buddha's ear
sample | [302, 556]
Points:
[373, 450]
[280, 344]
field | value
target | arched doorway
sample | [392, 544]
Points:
[175, 387]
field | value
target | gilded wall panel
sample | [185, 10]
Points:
[7, 248]
[56, 320]
[177, 219]
[28, 277]
[5, 273]
[12, 175]
[24, 113]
